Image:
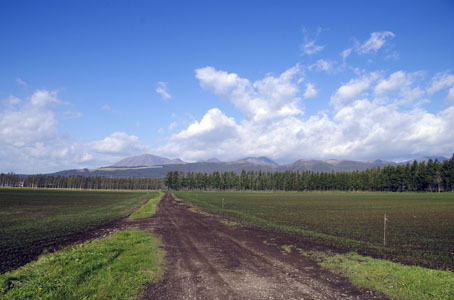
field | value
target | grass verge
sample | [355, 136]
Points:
[393, 279]
[116, 267]
[148, 209]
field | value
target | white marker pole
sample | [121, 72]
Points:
[384, 231]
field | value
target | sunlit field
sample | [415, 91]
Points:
[420, 229]
[32, 220]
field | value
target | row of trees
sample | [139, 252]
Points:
[433, 176]
[80, 182]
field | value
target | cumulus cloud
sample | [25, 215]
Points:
[322, 65]
[260, 101]
[401, 87]
[309, 46]
[352, 90]
[11, 101]
[360, 127]
[450, 97]
[43, 98]
[396, 81]
[361, 130]
[162, 90]
[310, 92]
[30, 122]
[215, 131]
[375, 42]
[441, 81]
[29, 136]
[31, 140]
[119, 143]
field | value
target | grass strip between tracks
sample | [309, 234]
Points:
[148, 209]
[115, 267]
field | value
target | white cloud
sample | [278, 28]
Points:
[261, 101]
[11, 101]
[346, 53]
[215, 133]
[396, 81]
[309, 45]
[162, 90]
[310, 92]
[173, 125]
[32, 122]
[21, 82]
[44, 98]
[375, 42]
[361, 130]
[322, 65]
[450, 97]
[29, 137]
[361, 127]
[31, 141]
[443, 80]
[399, 88]
[214, 125]
[119, 143]
[352, 90]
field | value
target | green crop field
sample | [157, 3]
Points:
[420, 229]
[32, 220]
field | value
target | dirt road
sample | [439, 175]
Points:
[210, 260]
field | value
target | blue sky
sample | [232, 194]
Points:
[86, 83]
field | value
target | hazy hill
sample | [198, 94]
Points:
[211, 160]
[147, 160]
[262, 160]
[148, 165]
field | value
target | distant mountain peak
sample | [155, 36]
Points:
[262, 160]
[147, 160]
[211, 160]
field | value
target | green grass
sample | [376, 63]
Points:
[116, 267]
[420, 229]
[148, 209]
[395, 280]
[32, 220]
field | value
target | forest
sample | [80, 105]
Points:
[430, 176]
[80, 182]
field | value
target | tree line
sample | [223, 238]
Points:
[431, 176]
[80, 182]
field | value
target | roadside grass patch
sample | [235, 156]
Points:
[393, 279]
[115, 267]
[148, 209]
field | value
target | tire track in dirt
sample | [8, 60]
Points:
[209, 260]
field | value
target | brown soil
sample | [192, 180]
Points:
[207, 259]
[15, 258]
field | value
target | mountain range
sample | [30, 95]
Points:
[147, 165]
[146, 160]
